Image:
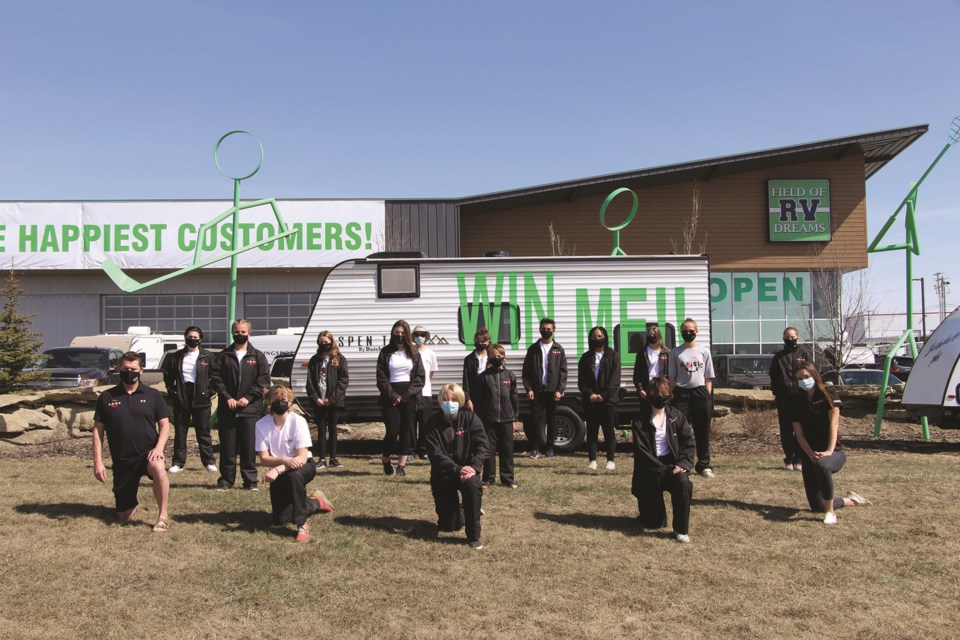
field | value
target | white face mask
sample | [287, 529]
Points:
[806, 383]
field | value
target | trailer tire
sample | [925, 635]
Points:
[571, 432]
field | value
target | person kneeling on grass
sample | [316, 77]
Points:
[457, 446]
[663, 450]
[283, 444]
[816, 425]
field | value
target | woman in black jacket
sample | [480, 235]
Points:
[598, 377]
[400, 380]
[327, 380]
[816, 424]
[457, 446]
[498, 405]
[652, 361]
[663, 452]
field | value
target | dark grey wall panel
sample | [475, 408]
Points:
[60, 318]
[430, 227]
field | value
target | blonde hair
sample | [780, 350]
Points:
[689, 321]
[241, 322]
[453, 388]
[499, 350]
[280, 389]
[335, 351]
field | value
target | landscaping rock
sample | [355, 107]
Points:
[12, 399]
[11, 423]
[76, 418]
[49, 409]
[36, 419]
[739, 397]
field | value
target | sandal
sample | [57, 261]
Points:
[161, 526]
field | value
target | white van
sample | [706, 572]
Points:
[283, 342]
[151, 346]
[933, 389]
[452, 297]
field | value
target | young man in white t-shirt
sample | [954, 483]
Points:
[425, 408]
[691, 371]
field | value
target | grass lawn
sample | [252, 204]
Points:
[563, 557]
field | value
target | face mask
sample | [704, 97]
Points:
[419, 340]
[546, 334]
[496, 362]
[596, 343]
[239, 338]
[789, 343]
[689, 336]
[192, 342]
[397, 339]
[279, 407]
[659, 401]
[806, 383]
[129, 377]
[480, 346]
[326, 346]
[450, 409]
[651, 339]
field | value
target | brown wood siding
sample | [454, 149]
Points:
[733, 224]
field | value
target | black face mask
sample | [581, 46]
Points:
[596, 343]
[659, 401]
[129, 377]
[496, 362]
[480, 346]
[192, 342]
[689, 336]
[546, 334]
[789, 343]
[651, 339]
[397, 339]
[325, 346]
[239, 338]
[279, 407]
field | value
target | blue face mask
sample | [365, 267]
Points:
[450, 409]
[806, 383]
[419, 340]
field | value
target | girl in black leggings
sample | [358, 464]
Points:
[400, 379]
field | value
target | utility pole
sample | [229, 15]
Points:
[923, 309]
[941, 286]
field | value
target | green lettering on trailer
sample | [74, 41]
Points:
[680, 299]
[628, 324]
[585, 317]
[533, 304]
[661, 294]
[514, 318]
[483, 304]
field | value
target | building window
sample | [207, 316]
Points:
[167, 314]
[268, 312]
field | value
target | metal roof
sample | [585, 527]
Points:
[878, 148]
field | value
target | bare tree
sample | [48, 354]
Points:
[690, 228]
[558, 244]
[841, 300]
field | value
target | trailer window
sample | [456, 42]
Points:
[475, 315]
[637, 340]
[398, 281]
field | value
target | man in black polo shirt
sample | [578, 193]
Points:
[130, 413]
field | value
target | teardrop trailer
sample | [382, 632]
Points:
[360, 299]
[933, 389]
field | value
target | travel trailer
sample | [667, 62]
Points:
[933, 388]
[151, 346]
[452, 297]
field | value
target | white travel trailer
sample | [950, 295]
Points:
[151, 346]
[452, 297]
[933, 389]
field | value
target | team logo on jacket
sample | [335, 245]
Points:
[251, 361]
[460, 433]
[113, 404]
[506, 382]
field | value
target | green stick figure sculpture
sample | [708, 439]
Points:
[617, 251]
[911, 248]
[129, 285]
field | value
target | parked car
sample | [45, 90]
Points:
[742, 371]
[852, 376]
[901, 366]
[80, 367]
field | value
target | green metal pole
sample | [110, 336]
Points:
[234, 258]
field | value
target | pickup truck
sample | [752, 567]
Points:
[80, 367]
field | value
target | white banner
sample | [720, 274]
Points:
[164, 235]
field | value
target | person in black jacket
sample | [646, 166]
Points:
[186, 374]
[475, 364]
[598, 377]
[782, 383]
[327, 380]
[663, 451]
[457, 447]
[498, 406]
[240, 377]
[652, 361]
[544, 380]
[400, 379]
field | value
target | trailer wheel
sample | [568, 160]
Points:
[571, 432]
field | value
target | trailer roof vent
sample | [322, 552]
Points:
[397, 255]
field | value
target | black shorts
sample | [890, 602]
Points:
[126, 481]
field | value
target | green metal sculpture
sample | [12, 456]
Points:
[617, 251]
[129, 285]
[911, 247]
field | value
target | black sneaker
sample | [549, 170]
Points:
[401, 471]
[476, 545]
[321, 465]
[511, 485]
[336, 464]
[550, 453]
[251, 487]
[387, 468]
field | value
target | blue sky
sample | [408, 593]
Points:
[123, 100]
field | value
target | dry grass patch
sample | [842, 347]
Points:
[563, 557]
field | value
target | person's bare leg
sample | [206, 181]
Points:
[124, 516]
[161, 487]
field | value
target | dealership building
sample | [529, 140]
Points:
[778, 224]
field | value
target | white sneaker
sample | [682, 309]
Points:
[212, 468]
[830, 518]
[593, 465]
[611, 465]
[708, 473]
[175, 469]
[857, 499]
[682, 537]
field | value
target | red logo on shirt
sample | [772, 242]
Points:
[460, 433]
[114, 404]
